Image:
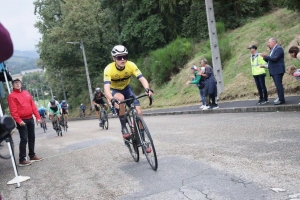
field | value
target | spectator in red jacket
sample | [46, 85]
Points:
[6, 46]
[22, 107]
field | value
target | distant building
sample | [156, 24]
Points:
[31, 71]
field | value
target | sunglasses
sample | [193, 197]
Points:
[121, 57]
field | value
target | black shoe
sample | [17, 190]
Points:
[125, 133]
[279, 102]
[259, 102]
[100, 124]
[264, 102]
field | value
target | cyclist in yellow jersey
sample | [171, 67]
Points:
[116, 83]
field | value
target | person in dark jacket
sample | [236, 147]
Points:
[210, 88]
[22, 107]
[276, 67]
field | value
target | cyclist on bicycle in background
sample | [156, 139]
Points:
[116, 83]
[97, 100]
[65, 110]
[82, 107]
[43, 112]
[54, 108]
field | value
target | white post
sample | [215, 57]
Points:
[63, 85]
[87, 74]
[13, 162]
[8, 88]
[216, 58]
[37, 95]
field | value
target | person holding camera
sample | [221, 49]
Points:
[22, 108]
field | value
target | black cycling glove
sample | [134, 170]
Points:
[147, 90]
[113, 101]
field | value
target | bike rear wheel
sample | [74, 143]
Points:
[58, 128]
[66, 127]
[63, 121]
[132, 143]
[146, 142]
[44, 126]
[105, 120]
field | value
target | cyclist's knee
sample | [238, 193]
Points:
[119, 96]
[139, 110]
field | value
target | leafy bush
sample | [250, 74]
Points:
[167, 61]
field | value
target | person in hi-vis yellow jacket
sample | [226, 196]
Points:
[259, 74]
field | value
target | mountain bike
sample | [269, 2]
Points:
[104, 117]
[57, 126]
[140, 134]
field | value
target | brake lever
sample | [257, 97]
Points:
[150, 100]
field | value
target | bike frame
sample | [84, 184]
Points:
[131, 115]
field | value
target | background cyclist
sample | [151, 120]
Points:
[97, 100]
[116, 83]
[65, 110]
[43, 112]
[54, 108]
[82, 107]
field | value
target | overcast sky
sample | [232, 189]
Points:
[18, 18]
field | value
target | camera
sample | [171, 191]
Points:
[7, 124]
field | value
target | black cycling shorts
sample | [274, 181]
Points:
[64, 111]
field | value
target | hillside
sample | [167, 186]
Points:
[239, 84]
[22, 60]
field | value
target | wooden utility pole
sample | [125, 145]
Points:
[213, 37]
[63, 85]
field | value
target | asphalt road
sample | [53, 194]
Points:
[200, 156]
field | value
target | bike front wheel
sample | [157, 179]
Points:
[44, 126]
[105, 120]
[132, 143]
[146, 142]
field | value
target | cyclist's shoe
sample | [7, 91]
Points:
[54, 127]
[100, 124]
[67, 125]
[125, 133]
[148, 149]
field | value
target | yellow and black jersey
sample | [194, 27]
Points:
[119, 79]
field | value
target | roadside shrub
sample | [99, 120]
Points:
[167, 61]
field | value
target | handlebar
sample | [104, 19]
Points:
[132, 98]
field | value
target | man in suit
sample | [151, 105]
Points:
[276, 67]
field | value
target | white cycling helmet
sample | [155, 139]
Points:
[119, 50]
